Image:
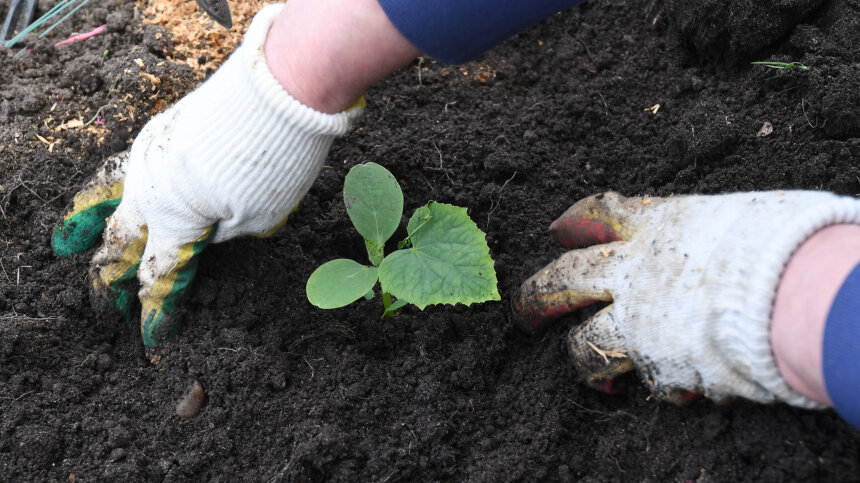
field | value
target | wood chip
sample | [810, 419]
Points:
[139, 62]
[653, 109]
[73, 124]
[49, 144]
[765, 130]
[606, 251]
[151, 78]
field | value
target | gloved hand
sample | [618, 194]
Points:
[234, 157]
[692, 281]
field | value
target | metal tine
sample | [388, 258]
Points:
[62, 5]
[64, 18]
[18, 17]
[219, 10]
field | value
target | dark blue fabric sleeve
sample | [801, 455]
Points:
[456, 31]
[841, 351]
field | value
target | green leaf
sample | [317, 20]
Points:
[374, 253]
[374, 203]
[340, 282]
[397, 304]
[449, 261]
[781, 65]
[391, 307]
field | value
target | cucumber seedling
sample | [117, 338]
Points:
[779, 67]
[443, 260]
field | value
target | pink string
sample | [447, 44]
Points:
[82, 37]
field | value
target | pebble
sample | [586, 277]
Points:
[117, 455]
[192, 403]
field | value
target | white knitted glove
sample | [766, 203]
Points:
[692, 287]
[234, 157]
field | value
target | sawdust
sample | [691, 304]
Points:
[199, 41]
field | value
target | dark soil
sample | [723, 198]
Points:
[295, 393]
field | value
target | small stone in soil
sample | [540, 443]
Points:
[192, 403]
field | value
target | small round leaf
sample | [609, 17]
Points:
[374, 202]
[340, 282]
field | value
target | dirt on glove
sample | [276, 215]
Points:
[651, 98]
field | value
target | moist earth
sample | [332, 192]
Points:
[564, 110]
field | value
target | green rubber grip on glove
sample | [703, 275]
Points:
[84, 224]
[160, 320]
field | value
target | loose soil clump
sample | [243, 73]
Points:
[564, 110]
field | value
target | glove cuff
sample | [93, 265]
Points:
[268, 95]
[750, 304]
[259, 143]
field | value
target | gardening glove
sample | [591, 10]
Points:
[691, 281]
[234, 157]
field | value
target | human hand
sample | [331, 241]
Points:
[692, 281]
[232, 158]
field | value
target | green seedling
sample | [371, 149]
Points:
[443, 260]
[779, 66]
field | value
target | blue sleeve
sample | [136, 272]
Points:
[841, 351]
[456, 31]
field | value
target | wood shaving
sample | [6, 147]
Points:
[605, 251]
[478, 71]
[151, 78]
[49, 143]
[159, 106]
[199, 41]
[73, 124]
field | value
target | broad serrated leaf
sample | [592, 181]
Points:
[449, 261]
[373, 201]
[340, 282]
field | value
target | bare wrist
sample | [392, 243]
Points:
[326, 53]
[809, 284]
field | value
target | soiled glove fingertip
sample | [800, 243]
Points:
[81, 230]
[528, 320]
[60, 242]
[112, 302]
[70, 239]
[158, 327]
